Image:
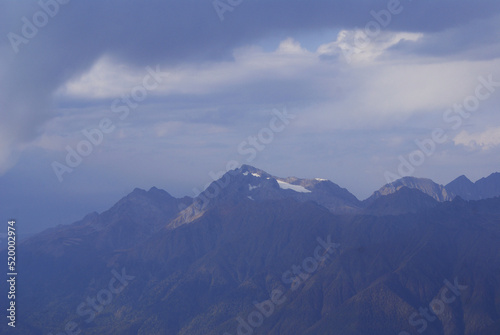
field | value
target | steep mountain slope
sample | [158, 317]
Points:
[248, 182]
[64, 261]
[488, 187]
[271, 264]
[424, 185]
[462, 187]
[404, 200]
[130, 221]
[200, 277]
[484, 188]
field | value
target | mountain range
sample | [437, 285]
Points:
[260, 254]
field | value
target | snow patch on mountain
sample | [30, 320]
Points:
[297, 188]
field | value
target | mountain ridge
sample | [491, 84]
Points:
[394, 257]
[251, 183]
[484, 188]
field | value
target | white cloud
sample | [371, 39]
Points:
[486, 140]
[380, 89]
[372, 91]
[107, 78]
[290, 46]
[110, 78]
[355, 46]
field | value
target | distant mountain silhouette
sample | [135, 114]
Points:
[427, 186]
[404, 200]
[258, 254]
[484, 188]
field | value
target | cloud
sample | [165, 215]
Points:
[384, 86]
[486, 140]
[473, 40]
[106, 78]
[93, 50]
[356, 46]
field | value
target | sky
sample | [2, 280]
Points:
[100, 97]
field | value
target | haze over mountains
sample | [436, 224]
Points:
[263, 186]
[255, 184]
[415, 257]
[484, 188]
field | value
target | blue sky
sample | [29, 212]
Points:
[365, 81]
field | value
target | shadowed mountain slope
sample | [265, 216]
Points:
[484, 188]
[381, 272]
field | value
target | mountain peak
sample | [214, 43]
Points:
[153, 193]
[425, 185]
[404, 200]
[462, 180]
[484, 188]
[488, 187]
[248, 183]
[242, 248]
[138, 190]
[248, 169]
